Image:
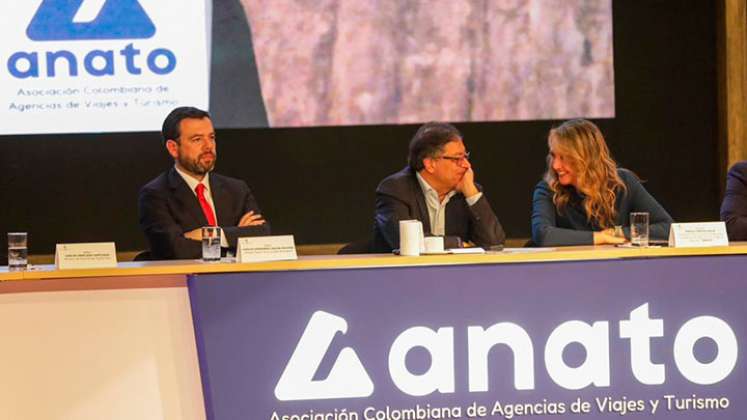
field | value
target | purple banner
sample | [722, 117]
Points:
[640, 338]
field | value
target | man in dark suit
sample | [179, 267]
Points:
[734, 206]
[178, 203]
[438, 188]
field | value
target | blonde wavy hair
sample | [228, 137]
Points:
[583, 148]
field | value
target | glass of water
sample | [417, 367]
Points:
[17, 251]
[211, 243]
[639, 229]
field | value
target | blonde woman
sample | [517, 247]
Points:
[584, 195]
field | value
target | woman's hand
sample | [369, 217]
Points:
[607, 236]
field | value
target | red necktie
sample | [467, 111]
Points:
[206, 209]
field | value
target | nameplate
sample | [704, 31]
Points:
[85, 255]
[266, 248]
[688, 235]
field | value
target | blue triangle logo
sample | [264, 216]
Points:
[117, 19]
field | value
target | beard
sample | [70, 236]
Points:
[197, 166]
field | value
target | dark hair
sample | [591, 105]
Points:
[170, 129]
[429, 142]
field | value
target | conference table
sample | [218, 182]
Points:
[572, 332]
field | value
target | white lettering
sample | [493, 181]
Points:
[726, 358]
[639, 329]
[480, 341]
[439, 376]
[348, 378]
[595, 340]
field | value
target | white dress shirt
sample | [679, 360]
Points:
[436, 209]
[192, 183]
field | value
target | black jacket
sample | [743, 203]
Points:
[734, 207]
[168, 209]
[400, 197]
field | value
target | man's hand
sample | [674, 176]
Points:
[195, 235]
[467, 185]
[251, 219]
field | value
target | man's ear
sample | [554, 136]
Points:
[172, 147]
[429, 165]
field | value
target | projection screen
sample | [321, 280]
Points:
[80, 66]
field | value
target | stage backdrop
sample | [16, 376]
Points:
[83, 187]
[642, 338]
[121, 65]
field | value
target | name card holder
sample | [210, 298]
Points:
[266, 248]
[85, 255]
[691, 235]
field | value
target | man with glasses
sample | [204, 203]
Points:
[438, 188]
[178, 203]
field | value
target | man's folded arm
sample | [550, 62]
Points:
[165, 236]
[233, 233]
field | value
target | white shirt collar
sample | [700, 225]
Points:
[430, 191]
[192, 182]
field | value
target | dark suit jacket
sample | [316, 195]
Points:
[399, 197]
[168, 209]
[734, 207]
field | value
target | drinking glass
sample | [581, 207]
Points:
[17, 251]
[211, 243]
[639, 229]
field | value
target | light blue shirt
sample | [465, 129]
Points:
[436, 209]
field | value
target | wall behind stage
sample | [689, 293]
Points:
[318, 183]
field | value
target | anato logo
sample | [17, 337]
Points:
[69, 20]
[62, 20]
[348, 377]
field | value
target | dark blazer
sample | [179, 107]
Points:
[572, 227]
[734, 207]
[400, 197]
[168, 209]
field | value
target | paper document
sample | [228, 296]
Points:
[475, 250]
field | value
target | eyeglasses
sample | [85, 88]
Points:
[459, 160]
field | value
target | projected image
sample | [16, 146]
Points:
[121, 65]
[349, 62]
